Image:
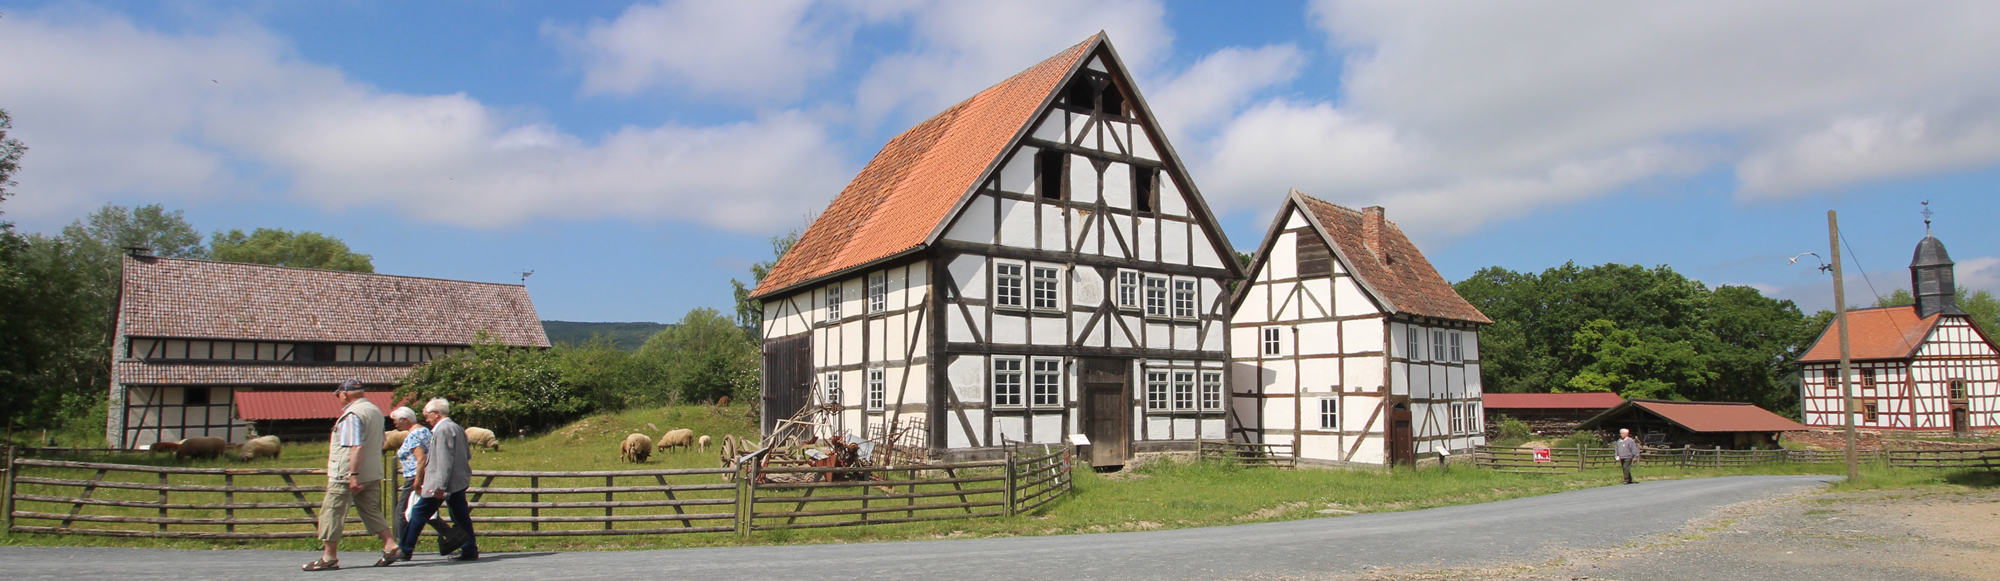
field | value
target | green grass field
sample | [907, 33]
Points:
[1159, 496]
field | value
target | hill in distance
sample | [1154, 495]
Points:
[624, 336]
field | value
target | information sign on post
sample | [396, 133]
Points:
[1542, 455]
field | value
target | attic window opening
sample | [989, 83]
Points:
[194, 396]
[1142, 188]
[1049, 173]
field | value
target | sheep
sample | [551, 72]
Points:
[722, 402]
[164, 447]
[483, 438]
[393, 441]
[261, 446]
[703, 443]
[205, 448]
[637, 448]
[680, 438]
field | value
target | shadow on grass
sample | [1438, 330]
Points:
[1974, 478]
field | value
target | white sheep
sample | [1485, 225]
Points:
[201, 448]
[680, 438]
[259, 447]
[483, 438]
[393, 441]
[637, 448]
[702, 442]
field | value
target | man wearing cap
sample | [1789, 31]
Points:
[353, 477]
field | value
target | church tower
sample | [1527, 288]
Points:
[1930, 279]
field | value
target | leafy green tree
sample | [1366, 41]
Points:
[1622, 362]
[610, 377]
[498, 387]
[107, 232]
[705, 356]
[285, 248]
[11, 151]
[750, 313]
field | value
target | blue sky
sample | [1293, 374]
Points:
[636, 156]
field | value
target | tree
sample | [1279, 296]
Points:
[497, 386]
[285, 248]
[1622, 362]
[11, 151]
[705, 356]
[113, 228]
[750, 313]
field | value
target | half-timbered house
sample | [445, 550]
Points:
[1347, 344]
[1031, 263]
[229, 350]
[1921, 367]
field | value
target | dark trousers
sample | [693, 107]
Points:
[461, 518]
[402, 507]
[1626, 463]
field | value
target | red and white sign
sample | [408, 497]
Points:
[1542, 455]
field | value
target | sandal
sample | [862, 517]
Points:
[321, 564]
[389, 556]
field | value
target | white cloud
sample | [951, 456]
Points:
[1978, 274]
[762, 50]
[1490, 110]
[111, 110]
[1218, 85]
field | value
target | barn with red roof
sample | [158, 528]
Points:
[1031, 264]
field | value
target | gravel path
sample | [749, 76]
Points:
[1532, 530]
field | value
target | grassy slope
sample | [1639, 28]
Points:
[1160, 496]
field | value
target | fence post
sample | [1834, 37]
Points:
[1010, 480]
[1579, 457]
[7, 504]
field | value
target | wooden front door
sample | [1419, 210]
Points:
[1958, 420]
[788, 378]
[1402, 442]
[1107, 410]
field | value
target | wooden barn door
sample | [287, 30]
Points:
[1402, 443]
[1107, 410]
[1959, 420]
[788, 378]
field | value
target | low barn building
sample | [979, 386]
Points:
[1555, 414]
[1030, 264]
[232, 350]
[1702, 424]
[1348, 345]
[1921, 367]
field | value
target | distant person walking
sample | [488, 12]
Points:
[1628, 452]
[353, 477]
[447, 473]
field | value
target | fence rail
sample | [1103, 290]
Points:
[1508, 459]
[104, 499]
[1247, 454]
[1982, 458]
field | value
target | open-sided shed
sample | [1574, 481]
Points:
[1730, 425]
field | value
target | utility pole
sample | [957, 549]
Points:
[1840, 310]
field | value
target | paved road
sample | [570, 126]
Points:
[1526, 529]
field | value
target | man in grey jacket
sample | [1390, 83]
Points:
[446, 473]
[1627, 452]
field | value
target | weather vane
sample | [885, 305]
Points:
[525, 274]
[1927, 217]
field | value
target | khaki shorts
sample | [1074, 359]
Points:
[333, 510]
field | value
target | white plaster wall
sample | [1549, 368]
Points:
[1117, 185]
[1055, 234]
[1205, 253]
[1319, 297]
[967, 374]
[1051, 129]
[969, 271]
[1362, 335]
[1156, 335]
[1142, 145]
[1212, 339]
[1319, 338]
[1319, 374]
[1086, 287]
[1174, 242]
[1008, 427]
[1171, 201]
[1018, 175]
[1017, 223]
[1147, 243]
[1348, 300]
[1048, 428]
[1049, 331]
[1185, 337]
[1284, 256]
[1157, 428]
[1008, 328]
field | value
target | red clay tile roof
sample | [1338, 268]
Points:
[1703, 416]
[143, 373]
[1406, 282]
[1512, 401]
[1879, 333]
[170, 297]
[299, 405]
[911, 186]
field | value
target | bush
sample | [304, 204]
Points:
[610, 378]
[704, 357]
[1513, 430]
[498, 387]
[1586, 439]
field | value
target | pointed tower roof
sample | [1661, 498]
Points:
[896, 203]
[1930, 252]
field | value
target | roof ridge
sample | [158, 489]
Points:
[325, 270]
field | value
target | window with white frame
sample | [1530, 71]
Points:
[1184, 298]
[1475, 420]
[1437, 346]
[1329, 413]
[878, 390]
[1183, 391]
[1415, 350]
[833, 303]
[830, 387]
[1457, 347]
[1047, 281]
[1156, 296]
[1273, 340]
[878, 292]
[1007, 382]
[1211, 391]
[1156, 391]
[1128, 289]
[1457, 420]
[1007, 284]
[1045, 387]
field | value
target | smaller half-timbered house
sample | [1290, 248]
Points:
[1348, 345]
[232, 350]
[1921, 367]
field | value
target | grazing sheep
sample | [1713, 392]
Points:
[724, 401]
[637, 448]
[393, 441]
[483, 438]
[205, 448]
[702, 442]
[164, 447]
[259, 447]
[680, 438]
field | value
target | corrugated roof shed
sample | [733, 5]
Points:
[1593, 400]
[299, 405]
[1702, 416]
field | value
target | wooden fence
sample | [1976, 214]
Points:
[1245, 453]
[1981, 458]
[1509, 459]
[90, 498]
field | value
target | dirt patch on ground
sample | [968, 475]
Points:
[1905, 535]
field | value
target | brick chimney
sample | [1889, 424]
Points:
[1371, 231]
